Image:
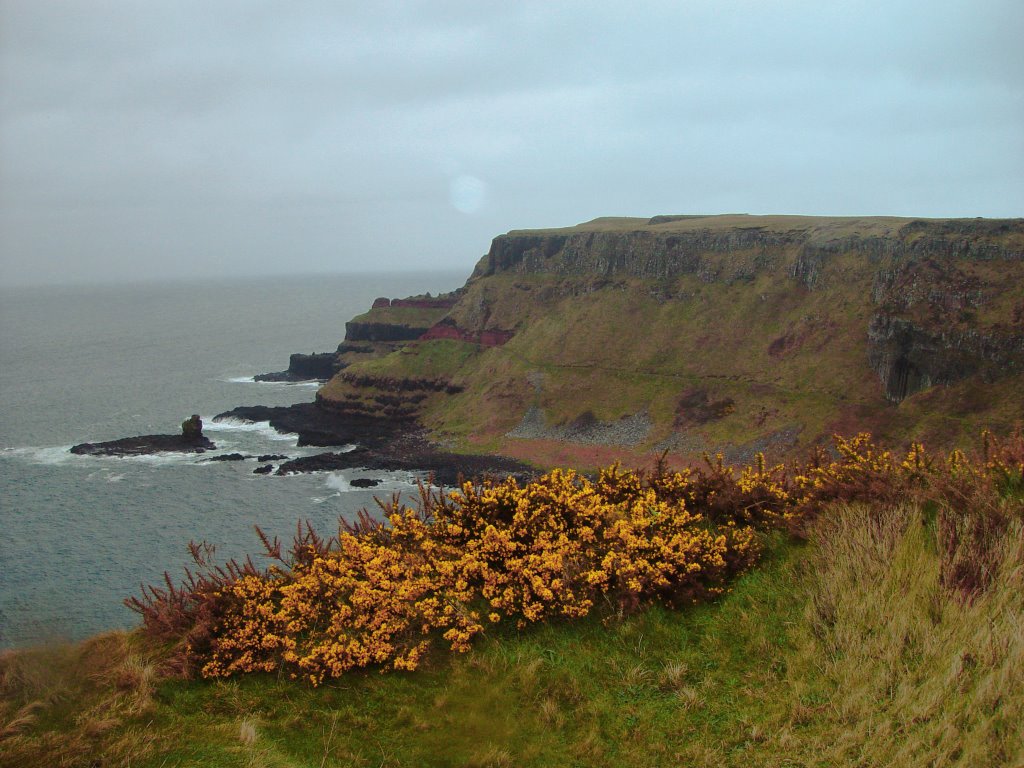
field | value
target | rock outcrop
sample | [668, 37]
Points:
[191, 440]
[659, 248]
[319, 366]
[363, 331]
[192, 427]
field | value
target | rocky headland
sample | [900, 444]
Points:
[629, 338]
[318, 366]
[621, 338]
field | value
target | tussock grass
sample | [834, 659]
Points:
[75, 704]
[845, 651]
[913, 675]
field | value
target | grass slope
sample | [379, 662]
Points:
[618, 351]
[843, 652]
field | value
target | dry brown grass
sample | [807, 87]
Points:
[75, 704]
[919, 677]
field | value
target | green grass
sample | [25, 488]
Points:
[580, 694]
[818, 228]
[713, 337]
[843, 652]
[416, 317]
[426, 359]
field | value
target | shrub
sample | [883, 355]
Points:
[383, 592]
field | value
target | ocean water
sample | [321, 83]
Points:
[79, 533]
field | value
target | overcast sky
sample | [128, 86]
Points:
[159, 138]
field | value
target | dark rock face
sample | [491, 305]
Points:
[925, 331]
[377, 399]
[266, 469]
[382, 332]
[364, 482]
[909, 358]
[315, 424]
[145, 445]
[192, 427]
[356, 348]
[407, 384]
[319, 366]
[271, 457]
[384, 444]
[659, 254]
[446, 469]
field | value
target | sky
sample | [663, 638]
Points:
[154, 139]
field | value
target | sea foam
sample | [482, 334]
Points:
[261, 428]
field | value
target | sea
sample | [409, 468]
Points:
[79, 534]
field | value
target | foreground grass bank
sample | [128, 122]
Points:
[888, 631]
[846, 651]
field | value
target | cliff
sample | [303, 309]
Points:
[692, 333]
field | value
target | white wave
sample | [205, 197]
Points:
[164, 458]
[53, 455]
[261, 428]
[388, 481]
[338, 482]
[252, 380]
[59, 455]
[322, 499]
[233, 425]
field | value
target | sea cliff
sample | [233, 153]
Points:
[611, 338]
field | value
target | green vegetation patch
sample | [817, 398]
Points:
[415, 317]
[439, 358]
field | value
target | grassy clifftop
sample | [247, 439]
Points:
[623, 337]
[792, 667]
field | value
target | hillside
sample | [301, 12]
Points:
[620, 337]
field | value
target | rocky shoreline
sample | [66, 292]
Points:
[381, 444]
[374, 444]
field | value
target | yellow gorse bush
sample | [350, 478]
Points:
[381, 594]
[497, 551]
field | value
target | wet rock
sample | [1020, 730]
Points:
[145, 445]
[315, 424]
[412, 455]
[266, 469]
[229, 457]
[364, 482]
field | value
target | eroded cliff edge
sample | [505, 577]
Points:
[693, 333]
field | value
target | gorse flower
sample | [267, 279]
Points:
[382, 594]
